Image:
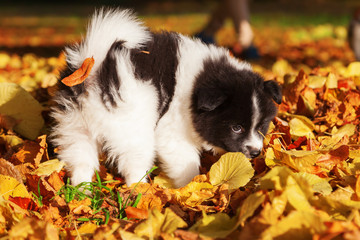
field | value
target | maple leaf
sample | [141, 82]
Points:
[81, 74]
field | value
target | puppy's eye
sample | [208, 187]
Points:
[237, 129]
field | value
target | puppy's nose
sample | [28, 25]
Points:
[254, 152]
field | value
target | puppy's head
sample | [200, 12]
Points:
[232, 108]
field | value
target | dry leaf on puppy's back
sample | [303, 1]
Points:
[81, 74]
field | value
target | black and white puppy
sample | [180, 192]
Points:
[154, 95]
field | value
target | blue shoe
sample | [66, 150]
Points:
[250, 53]
[205, 38]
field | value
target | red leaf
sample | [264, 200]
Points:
[301, 141]
[24, 203]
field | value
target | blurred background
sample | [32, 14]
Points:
[306, 33]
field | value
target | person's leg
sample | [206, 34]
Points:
[216, 21]
[239, 12]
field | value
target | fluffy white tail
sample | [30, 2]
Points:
[106, 27]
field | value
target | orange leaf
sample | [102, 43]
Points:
[330, 159]
[24, 203]
[81, 74]
[137, 213]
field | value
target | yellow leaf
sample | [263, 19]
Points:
[354, 166]
[4, 60]
[271, 212]
[318, 184]
[12, 140]
[297, 159]
[297, 225]
[86, 228]
[128, 235]
[281, 67]
[275, 179]
[163, 181]
[251, 203]
[353, 69]
[80, 206]
[158, 223]
[339, 208]
[296, 196]
[217, 225]
[346, 130]
[232, 168]
[9, 215]
[331, 81]
[11, 187]
[278, 179]
[301, 126]
[48, 167]
[316, 81]
[337, 135]
[20, 105]
[32, 228]
[194, 193]
[270, 160]
[172, 222]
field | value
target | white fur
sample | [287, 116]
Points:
[255, 141]
[105, 27]
[129, 133]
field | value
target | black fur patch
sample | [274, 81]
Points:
[108, 79]
[69, 93]
[157, 61]
[232, 106]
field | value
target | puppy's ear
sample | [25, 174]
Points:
[208, 99]
[274, 90]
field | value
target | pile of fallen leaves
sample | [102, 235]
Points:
[305, 184]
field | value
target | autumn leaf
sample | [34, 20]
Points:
[297, 225]
[48, 167]
[11, 187]
[32, 228]
[136, 213]
[306, 184]
[217, 225]
[18, 104]
[8, 169]
[25, 203]
[232, 168]
[8, 122]
[194, 193]
[32, 152]
[158, 223]
[249, 206]
[80, 207]
[292, 91]
[301, 160]
[317, 183]
[81, 74]
[87, 228]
